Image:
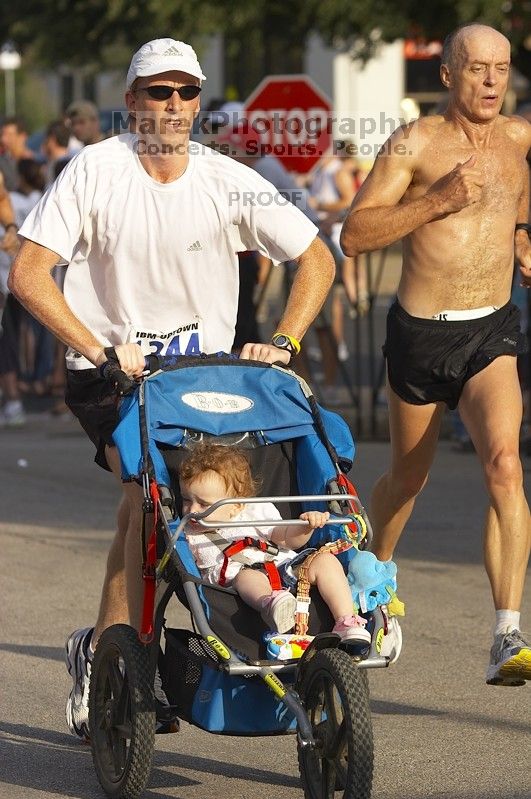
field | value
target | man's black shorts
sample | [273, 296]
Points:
[430, 360]
[93, 401]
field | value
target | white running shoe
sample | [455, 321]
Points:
[78, 663]
[510, 660]
[12, 414]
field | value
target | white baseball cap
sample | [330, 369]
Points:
[163, 55]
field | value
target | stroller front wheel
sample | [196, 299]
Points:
[335, 695]
[122, 713]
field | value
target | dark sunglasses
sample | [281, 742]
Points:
[165, 92]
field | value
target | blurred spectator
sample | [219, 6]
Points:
[8, 240]
[84, 121]
[232, 135]
[58, 376]
[60, 165]
[14, 137]
[31, 187]
[55, 147]
[16, 322]
[8, 170]
[333, 186]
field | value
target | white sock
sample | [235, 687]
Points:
[506, 620]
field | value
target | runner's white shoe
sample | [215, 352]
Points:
[78, 663]
[510, 660]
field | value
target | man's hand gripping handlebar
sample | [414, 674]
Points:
[122, 383]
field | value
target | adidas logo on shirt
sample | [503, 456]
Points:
[195, 247]
[172, 51]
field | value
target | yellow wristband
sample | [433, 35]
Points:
[286, 342]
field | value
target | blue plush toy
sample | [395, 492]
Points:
[372, 581]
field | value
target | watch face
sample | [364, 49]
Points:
[283, 343]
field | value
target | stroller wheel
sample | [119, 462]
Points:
[122, 713]
[335, 694]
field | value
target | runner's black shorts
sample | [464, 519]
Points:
[429, 360]
[95, 404]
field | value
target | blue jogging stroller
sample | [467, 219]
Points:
[217, 675]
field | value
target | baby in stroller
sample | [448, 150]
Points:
[259, 562]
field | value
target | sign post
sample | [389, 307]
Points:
[9, 61]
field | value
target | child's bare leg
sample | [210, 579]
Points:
[326, 572]
[253, 586]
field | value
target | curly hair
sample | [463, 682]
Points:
[228, 462]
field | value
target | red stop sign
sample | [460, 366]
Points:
[291, 118]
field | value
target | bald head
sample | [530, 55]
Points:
[457, 44]
[475, 70]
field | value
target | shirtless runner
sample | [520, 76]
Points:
[455, 188]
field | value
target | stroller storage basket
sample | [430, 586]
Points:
[208, 697]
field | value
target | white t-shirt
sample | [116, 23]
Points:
[157, 262]
[209, 558]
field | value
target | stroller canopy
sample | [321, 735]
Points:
[221, 395]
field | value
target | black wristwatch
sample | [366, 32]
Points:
[523, 226]
[284, 342]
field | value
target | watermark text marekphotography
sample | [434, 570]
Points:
[272, 126]
[278, 134]
[297, 122]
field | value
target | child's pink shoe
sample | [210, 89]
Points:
[278, 611]
[352, 629]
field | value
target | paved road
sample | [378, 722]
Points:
[439, 730]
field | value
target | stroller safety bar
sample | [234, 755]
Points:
[200, 517]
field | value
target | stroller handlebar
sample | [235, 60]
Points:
[111, 372]
[201, 519]
[121, 382]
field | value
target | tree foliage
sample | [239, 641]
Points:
[101, 32]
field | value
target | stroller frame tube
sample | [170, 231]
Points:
[201, 517]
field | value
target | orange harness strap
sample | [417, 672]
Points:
[264, 546]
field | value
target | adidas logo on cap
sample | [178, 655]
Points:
[172, 51]
[161, 55]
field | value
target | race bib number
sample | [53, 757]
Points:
[186, 339]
